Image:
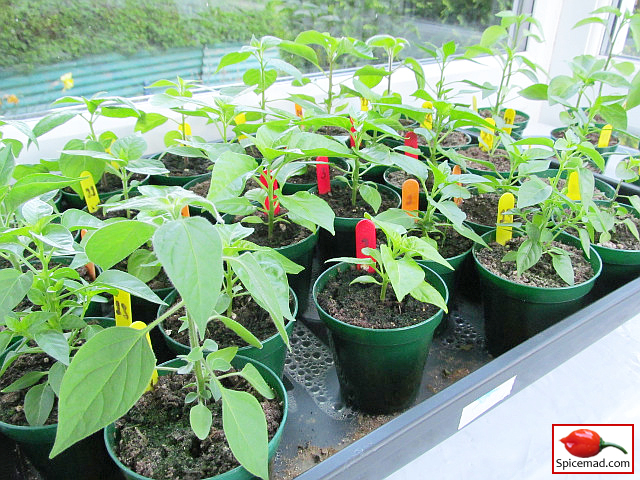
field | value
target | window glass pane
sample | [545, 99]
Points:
[79, 47]
[629, 47]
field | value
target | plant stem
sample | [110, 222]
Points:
[330, 97]
[383, 290]
[194, 343]
[389, 78]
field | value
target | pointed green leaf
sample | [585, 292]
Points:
[200, 419]
[38, 403]
[309, 207]
[128, 283]
[116, 241]
[251, 375]
[25, 381]
[54, 344]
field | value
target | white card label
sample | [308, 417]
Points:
[485, 402]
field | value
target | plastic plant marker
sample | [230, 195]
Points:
[323, 176]
[509, 119]
[365, 238]
[573, 185]
[364, 104]
[91, 267]
[352, 138]
[486, 136]
[185, 211]
[298, 110]
[122, 307]
[267, 201]
[410, 195]
[474, 103]
[605, 136]
[456, 171]
[240, 119]
[185, 128]
[504, 233]
[428, 119]
[411, 140]
[154, 376]
[108, 150]
[89, 190]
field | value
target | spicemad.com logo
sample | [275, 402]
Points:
[600, 448]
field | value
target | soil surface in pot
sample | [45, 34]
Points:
[253, 151]
[339, 199]
[245, 311]
[542, 274]
[109, 183]
[450, 242]
[499, 158]
[482, 208]
[359, 304]
[398, 177]
[333, 131]
[622, 238]
[591, 137]
[311, 177]
[486, 113]
[11, 404]
[155, 440]
[283, 233]
[445, 140]
[180, 166]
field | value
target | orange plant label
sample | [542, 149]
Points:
[456, 171]
[185, 211]
[91, 267]
[298, 110]
[410, 195]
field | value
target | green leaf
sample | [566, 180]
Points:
[116, 241]
[143, 265]
[200, 419]
[129, 148]
[128, 283]
[38, 403]
[231, 59]
[529, 253]
[229, 175]
[590, 20]
[405, 274]
[562, 266]
[561, 88]
[537, 91]
[51, 121]
[426, 293]
[300, 50]
[371, 195]
[74, 219]
[251, 375]
[14, 285]
[34, 185]
[56, 374]
[78, 156]
[533, 192]
[7, 164]
[240, 330]
[25, 381]
[614, 114]
[148, 121]
[107, 376]
[190, 251]
[585, 241]
[309, 207]
[365, 279]
[54, 344]
[491, 35]
[245, 427]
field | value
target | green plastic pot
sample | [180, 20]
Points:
[86, 460]
[73, 200]
[379, 370]
[514, 313]
[272, 353]
[291, 188]
[173, 181]
[238, 473]
[422, 200]
[302, 254]
[343, 243]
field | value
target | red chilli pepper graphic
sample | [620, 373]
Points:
[585, 443]
[267, 203]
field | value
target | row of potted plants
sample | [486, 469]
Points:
[239, 224]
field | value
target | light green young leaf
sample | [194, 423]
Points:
[54, 344]
[14, 285]
[128, 283]
[239, 330]
[116, 241]
[426, 293]
[562, 266]
[56, 374]
[34, 185]
[107, 375]
[143, 265]
[532, 192]
[190, 251]
[528, 255]
[38, 403]
[229, 175]
[25, 381]
[200, 419]
[309, 207]
[245, 427]
[405, 274]
[251, 375]
[371, 195]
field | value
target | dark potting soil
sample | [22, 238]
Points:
[283, 233]
[622, 238]
[179, 166]
[253, 151]
[332, 131]
[398, 177]
[339, 199]
[446, 139]
[311, 177]
[359, 304]
[407, 122]
[542, 274]
[499, 158]
[486, 113]
[154, 438]
[245, 311]
[201, 188]
[591, 137]
[11, 404]
[482, 208]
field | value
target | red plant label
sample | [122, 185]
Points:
[411, 140]
[365, 238]
[322, 173]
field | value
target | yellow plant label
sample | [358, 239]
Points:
[474, 103]
[504, 233]
[605, 136]
[364, 104]
[298, 110]
[573, 186]
[108, 150]
[240, 119]
[122, 307]
[509, 119]
[154, 376]
[428, 119]
[89, 191]
[486, 136]
[410, 195]
[185, 128]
